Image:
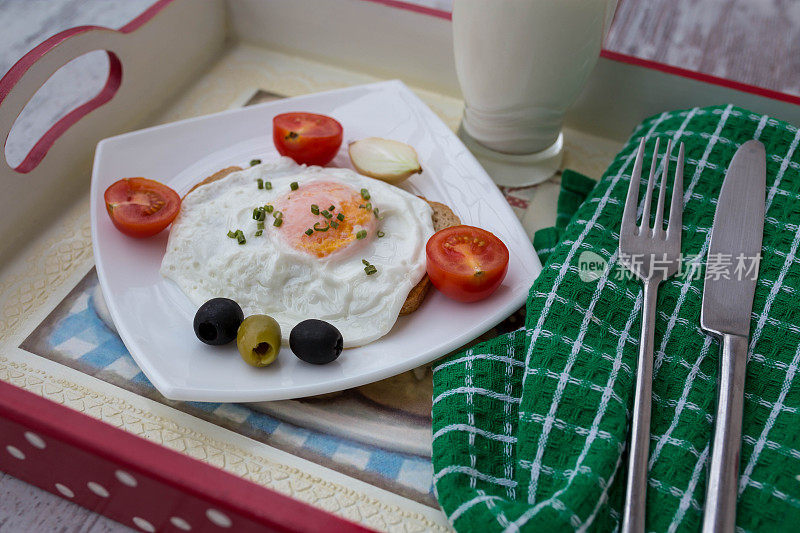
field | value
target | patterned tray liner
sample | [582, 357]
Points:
[80, 334]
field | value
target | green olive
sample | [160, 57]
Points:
[259, 340]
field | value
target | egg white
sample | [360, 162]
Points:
[266, 275]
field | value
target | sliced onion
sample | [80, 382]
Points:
[384, 159]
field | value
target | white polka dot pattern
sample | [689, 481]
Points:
[143, 524]
[125, 478]
[35, 440]
[218, 518]
[15, 452]
[180, 523]
[65, 491]
[98, 489]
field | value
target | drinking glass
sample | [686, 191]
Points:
[521, 64]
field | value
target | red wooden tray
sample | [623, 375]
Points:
[126, 477]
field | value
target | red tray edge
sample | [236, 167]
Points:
[214, 486]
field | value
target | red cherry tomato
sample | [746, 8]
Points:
[466, 263]
[140, 207]
[307, 138]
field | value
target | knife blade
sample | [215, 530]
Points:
[736, 233]
[730, 282]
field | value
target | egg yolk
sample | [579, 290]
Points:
[338, 230]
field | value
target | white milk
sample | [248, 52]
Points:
[522, 63]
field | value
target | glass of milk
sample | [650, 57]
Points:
[521, 64]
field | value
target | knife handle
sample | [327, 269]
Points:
[723, 474]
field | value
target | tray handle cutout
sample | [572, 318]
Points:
[31, 72]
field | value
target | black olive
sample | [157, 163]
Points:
[315, 341]
[217, 321]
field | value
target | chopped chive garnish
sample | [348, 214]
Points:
[326, 214]
[278, 222]
[332, 208]
[293, 185]
[240, 237]
[260, 183]
[317, 227]
[232, 234]
[381, 234]
[259, 233]
[254, 162]
[315, 209]
[368, 207]
[260, 224]
[361, 234]
[376, 211]
[268, 208]
[365, 194]
[340, 216]
[277, 214]
[334, 224]
[256, 211]
[369, 268]
[268, 185]
[309, 231]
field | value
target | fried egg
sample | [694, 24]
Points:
[333, 224]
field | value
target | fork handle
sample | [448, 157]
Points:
[634, 513]
[723, 474]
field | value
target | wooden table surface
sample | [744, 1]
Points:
[752, 41]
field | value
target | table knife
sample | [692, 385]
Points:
[727, 304]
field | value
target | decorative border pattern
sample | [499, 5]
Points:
[116, 411]
[29, 284]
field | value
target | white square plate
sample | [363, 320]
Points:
[154, 318]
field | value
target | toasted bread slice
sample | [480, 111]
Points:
[443, 217]
[411, 392]
[218, 175]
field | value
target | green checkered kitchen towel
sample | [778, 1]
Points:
[530, 428]
[575, 188]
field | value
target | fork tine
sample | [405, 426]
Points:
[658, 224]
[632, 200]
[648, 197]
[676, 208]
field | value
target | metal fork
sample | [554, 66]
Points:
[653, 255]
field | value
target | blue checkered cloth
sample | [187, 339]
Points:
[76, 335]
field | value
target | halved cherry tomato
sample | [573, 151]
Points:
[307, 138]
[140, 207]
[466, 263]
